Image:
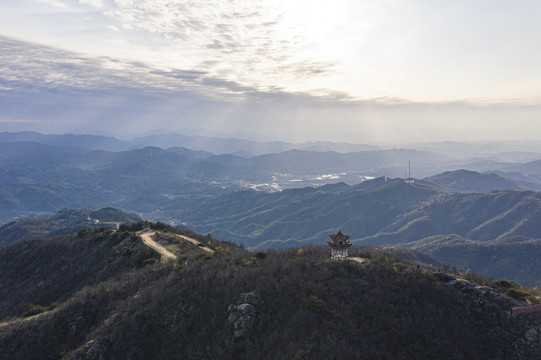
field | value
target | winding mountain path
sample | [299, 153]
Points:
[196, 242]
[147, 239]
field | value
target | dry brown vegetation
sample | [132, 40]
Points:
[312, 308]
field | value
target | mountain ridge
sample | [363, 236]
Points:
[122, 301]
[66, 221]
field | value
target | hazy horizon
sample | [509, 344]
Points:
[374, 72]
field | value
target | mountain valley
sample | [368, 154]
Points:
[263, 201]
[444, 257]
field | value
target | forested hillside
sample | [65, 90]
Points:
[236, 304]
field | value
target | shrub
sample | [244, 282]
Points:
[260, 255]
[150, 261]
[204, 256]
[34, 309]
[503, 284]
[248, 261]
[316, 306]
[517, 294]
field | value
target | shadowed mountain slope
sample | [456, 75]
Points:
[479, 217]
[296, 216]
[379, 211]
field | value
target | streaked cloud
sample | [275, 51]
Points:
[421, 50]
[245, 38]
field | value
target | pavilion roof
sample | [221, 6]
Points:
[339, 240]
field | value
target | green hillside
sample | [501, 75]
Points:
[236, 304]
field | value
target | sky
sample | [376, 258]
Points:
[363, 71]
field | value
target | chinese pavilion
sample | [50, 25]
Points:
[339, 245]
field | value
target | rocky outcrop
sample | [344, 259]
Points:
[528, 330]
[523, 330]
[481, 295]
[94, 350]
[243, 315]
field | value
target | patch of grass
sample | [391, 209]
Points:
[517, 294]
[248, 261]
[503, 284]
[204, 256]
[175, 249]
[35, 309]
[150, 261]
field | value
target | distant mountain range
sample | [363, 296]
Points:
[86, 142]
[41, 178]
[213, 144]
[287, 198]
[381, 211]
[44, 173]
[502, 152]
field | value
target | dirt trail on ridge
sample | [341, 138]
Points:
[147, 239]
[195, 242]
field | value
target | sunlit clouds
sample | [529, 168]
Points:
[370, 70]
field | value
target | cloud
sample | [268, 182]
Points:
[55, 3]
[52, 90]
[190, 75]
[369, 48]
[95, 3]
[249, 38]
[56, 90]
